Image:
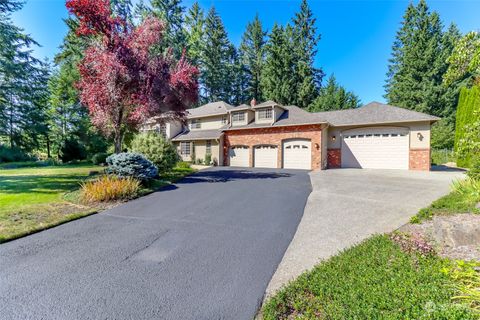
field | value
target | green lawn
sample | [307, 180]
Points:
[33, 199]
[373, 280]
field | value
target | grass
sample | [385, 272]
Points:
[373, 280]
[37, 198]
[32, 199]
[462, 199]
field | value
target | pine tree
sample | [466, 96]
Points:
[334, 97]
[194, 23]
[216, 57]
[305, 37]
[252, 57]
[278, 82]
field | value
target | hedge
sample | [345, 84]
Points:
[468, 103]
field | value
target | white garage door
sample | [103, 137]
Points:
[375, 148]
[297, 154]
[239, 156]
[265, 156]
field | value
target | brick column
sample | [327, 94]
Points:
[419, 159]
[334, 158]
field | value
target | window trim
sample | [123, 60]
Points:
[268, 114]
[195, 124]
[185, 151]
[208, 147]
[240, 114]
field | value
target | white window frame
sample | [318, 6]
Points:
[238, 116]
[265, 114]
[185, 148]
[208, 147]
[195, 124]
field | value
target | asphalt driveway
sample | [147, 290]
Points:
[205, 248]
[347, 206]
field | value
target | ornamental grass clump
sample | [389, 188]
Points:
[109, 188]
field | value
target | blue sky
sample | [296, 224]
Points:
[356, 35]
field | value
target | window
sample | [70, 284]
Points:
[238, 116]
[264, 114]
[162, 130]
[185, 148]
[195, 124]
[208, 147]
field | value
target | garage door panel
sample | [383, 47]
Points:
[239, 156]
[265, 156]
[297, 154]
[375, 148]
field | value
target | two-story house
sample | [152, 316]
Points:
[270, 135]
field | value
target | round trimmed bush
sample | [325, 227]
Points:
[129, 164]
[100, 158]
[156, 149]
[71, 150]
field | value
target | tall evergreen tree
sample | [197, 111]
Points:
[334, 97]
[22, 79]
[194, 28]
[172, 13]
[306, 38]
[252, 57]
[414, 76]
[215, 70]
[122, 9]
[278, 82]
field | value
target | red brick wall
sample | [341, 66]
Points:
[419, 159]
[275, 136]
[334, 158]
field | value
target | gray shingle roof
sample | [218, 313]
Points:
[199, 135]
[210, 109]
[373, 113]
[291, 116]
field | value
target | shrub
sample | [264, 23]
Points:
[474, 172]
[71, 150]
[442, 156]
[467, 277]
[13, 154]
[208, 159]
[156, 149]
[468, 188]
[100, 158]
[109, 188]
[468, 113]
[183, 165]
[133, 165]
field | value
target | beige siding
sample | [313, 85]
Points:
[173, 129]
[420, 136]
[208, 123]
[324, 147]
[200, 147]
[277, 112]
[417, 141]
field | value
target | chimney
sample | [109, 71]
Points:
[253, 103]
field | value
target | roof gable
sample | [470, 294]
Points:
[210, 109]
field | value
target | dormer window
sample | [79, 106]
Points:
[238, 116]
[195, 124]
[265, 114]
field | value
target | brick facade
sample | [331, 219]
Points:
[275, 136]
[334, 158]
[419, 159]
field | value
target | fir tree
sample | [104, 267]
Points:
[194, 28]
[122, 9]
[278, 82]
[305, 37]
[216, 57]
[252, 57]
[334, 97]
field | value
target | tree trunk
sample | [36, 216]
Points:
[48, 146]
[118, 141]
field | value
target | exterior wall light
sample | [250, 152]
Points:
[317, 146]
[334, 138]
[419, 136]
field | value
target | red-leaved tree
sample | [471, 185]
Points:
[122, 83]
